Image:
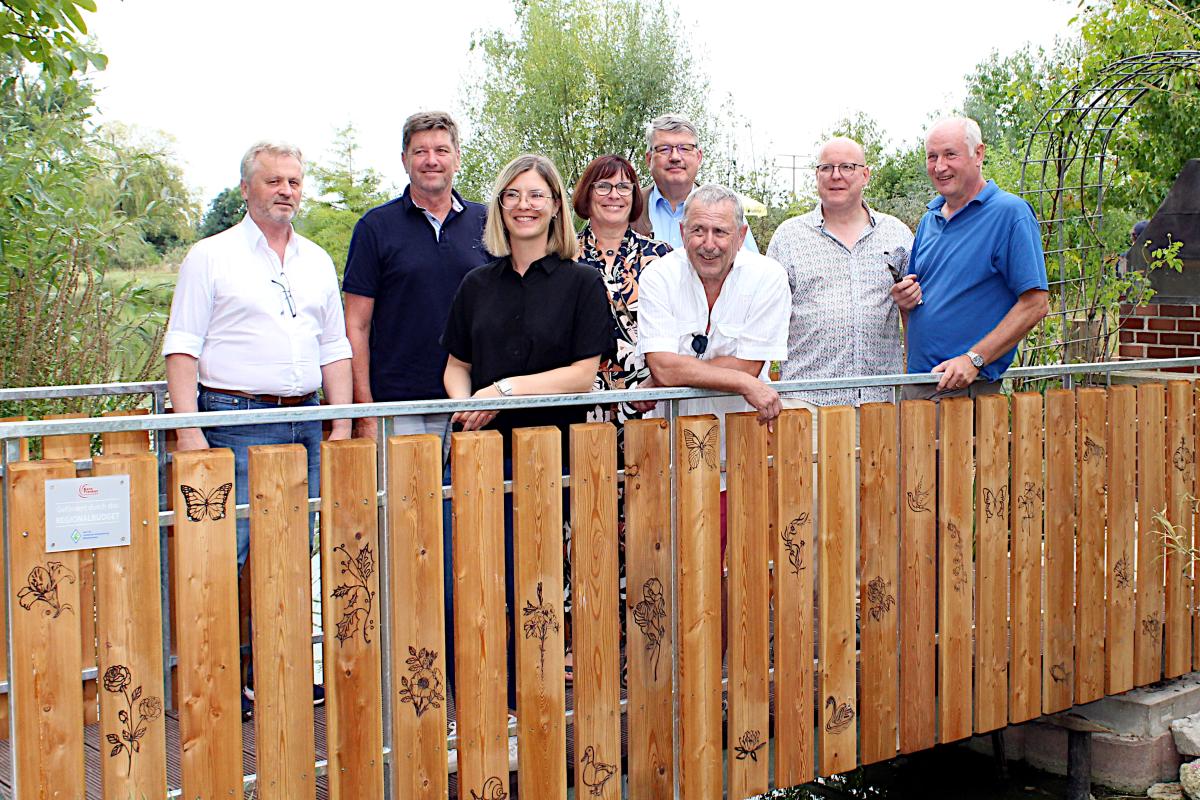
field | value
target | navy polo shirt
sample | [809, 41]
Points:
[972, 268]
[412, 274]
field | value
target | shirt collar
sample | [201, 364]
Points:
[816, 217]
[547, 263]
[986, 193]
[655, 198]
[255, 236]
[456, 202]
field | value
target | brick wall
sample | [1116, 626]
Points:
[1160, 330]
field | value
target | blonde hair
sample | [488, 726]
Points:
[560, 238]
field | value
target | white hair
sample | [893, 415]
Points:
[710, 194]
[969, 127]
[670, 123]
[275, 148]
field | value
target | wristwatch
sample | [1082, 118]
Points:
[976, 359]
[504, 387]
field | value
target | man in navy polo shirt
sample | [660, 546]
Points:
[406, 260]
[978, 257]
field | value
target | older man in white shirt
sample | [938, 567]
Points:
[256, 322]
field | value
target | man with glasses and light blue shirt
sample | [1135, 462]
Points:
[674, 156]
[256, 322]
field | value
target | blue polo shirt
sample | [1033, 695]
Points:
[972, 268]
[412, 271]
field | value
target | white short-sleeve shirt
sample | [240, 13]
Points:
[749, 319]
[231, 311]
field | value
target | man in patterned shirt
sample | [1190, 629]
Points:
[846, 303]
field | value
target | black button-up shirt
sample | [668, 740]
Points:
[504, 324]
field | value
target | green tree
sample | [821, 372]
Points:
[225, 211]
[47, 33]
[579, 78]
[344, 191]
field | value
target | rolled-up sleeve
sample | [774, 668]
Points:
[334, 345]
[658, 331]
[764, 335]
[191, 307]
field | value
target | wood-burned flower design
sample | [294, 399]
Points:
[41, 586]
[880, 598]
[749, 743]
[360, 600]
[117, 680]
[540, 620]
[1028, 500]
[794, 543]
[423, 687]
[649, 613]
[1122, 572]
[960, 567]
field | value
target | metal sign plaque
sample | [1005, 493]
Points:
[87, 513]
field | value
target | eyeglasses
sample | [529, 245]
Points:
[699, 343]
[511, 198]
[845, 169]
[604, 188]
[282, 283]
[664, 150]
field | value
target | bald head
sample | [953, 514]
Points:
[841, 145]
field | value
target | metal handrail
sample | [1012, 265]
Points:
[211, 419]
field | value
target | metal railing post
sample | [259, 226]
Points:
[672, 420]
[11, 453]
[382, 431]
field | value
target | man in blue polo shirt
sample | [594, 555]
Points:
[978, 257]
[406, 260]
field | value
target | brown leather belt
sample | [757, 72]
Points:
[273, 399]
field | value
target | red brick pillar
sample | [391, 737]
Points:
[1160, 330]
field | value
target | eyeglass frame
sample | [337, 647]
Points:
[629, 187]
[529, 197]
[281, 280]
[843, 168]
[665, 150]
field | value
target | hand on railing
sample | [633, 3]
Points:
[190, 439]
[366, 428]
[644, 406]
[764, 399]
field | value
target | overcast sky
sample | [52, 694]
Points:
[219, 74]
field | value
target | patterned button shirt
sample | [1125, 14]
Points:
[628, 369]
[844, 322]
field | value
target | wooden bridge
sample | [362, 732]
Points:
[935, 573]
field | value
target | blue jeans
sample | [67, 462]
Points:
[239, 438]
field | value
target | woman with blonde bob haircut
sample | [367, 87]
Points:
[533, 321]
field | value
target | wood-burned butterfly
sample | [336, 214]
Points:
[198, 504]
[708, 447]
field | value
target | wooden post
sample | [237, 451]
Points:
[537, 532]
[879, 568]
[281, 607]
[46, 694]
[749, 617]
[125, 442]
[133, 747]
[1058, 653]
[209, 674]
[1027, 496]
[1119, 619]
[419, 690]
[650, 604]
[350, 611]
[918, 590]
[698, 469]
[1152, 501]
[793, 549]
[76, 446]
[1180, 479]
[956, 579]
[991, 562]
[1089, 561]
[837, 558]
[597, 644]
[479, 648]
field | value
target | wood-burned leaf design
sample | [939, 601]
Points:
[960, 567]
[880, 597]
[706, 447]
[41, 586]
[540, 620]
[1152, 628]
[749, 743]
[649, 614]
[117, 680]
[423, 686]
[840, 715]
[794, 542]
[918, 498]
[357, 613]
[1122, 573]
[596, 773]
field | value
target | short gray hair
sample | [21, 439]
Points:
[710, 194]
[670, 123]
[275, 148]
[970, 130]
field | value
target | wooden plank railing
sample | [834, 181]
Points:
[980, 564]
